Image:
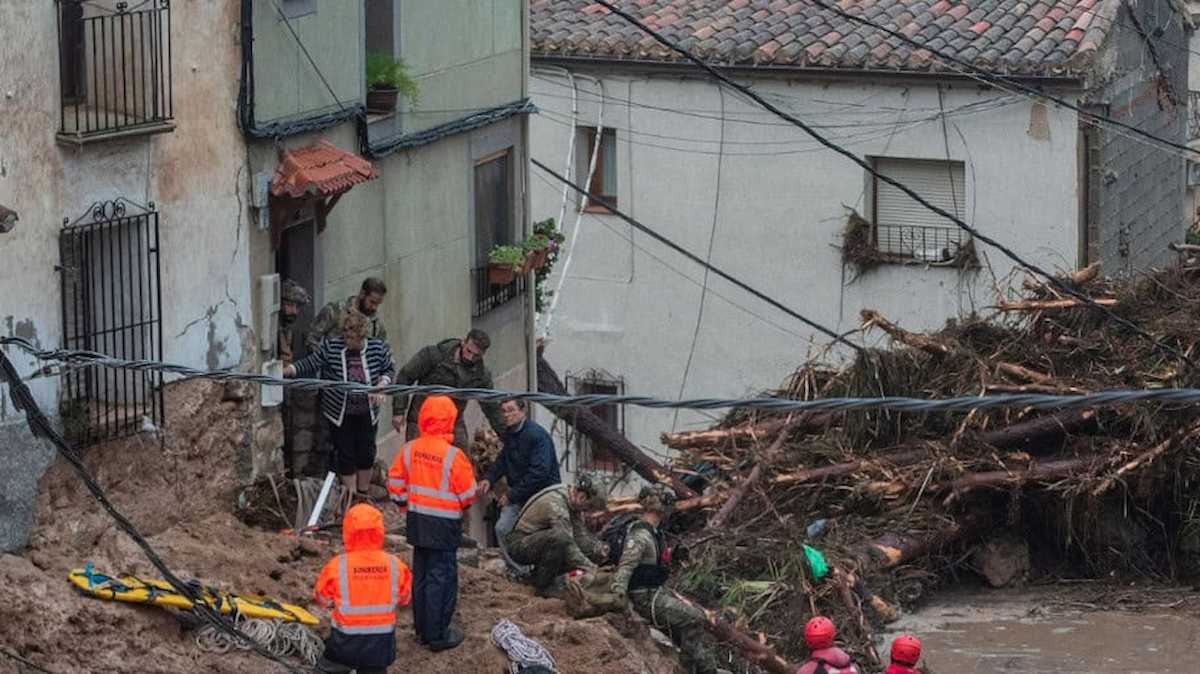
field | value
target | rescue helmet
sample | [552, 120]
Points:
[592, 491]
[819, 633]
[906, 650]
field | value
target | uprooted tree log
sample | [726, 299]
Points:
[756, 651]
[586, 422]
[744, 434]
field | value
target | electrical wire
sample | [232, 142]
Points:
[22, 399]
[1052, 280]
[41, 426]
[698, 260]
[649, 253]
[712, 237]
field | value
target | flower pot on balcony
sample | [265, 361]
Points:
[537, 257]
[501, 274]
[382, 99]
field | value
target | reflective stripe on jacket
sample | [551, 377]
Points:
[433, 479]
[364, 585]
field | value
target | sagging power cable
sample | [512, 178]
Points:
[41, 427]
[1112, 397]
[840, 338]
[1051, 279]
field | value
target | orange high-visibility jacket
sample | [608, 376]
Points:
[433, 479]
[364, 584]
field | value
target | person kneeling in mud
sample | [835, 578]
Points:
[641, 572]
[550, 534]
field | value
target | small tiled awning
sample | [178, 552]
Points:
[320, 169]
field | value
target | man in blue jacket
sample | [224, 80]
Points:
[527, 461]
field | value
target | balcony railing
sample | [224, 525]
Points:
[114, 69]
[919, 243]
[487, 297]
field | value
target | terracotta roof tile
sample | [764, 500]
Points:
[319, 169]
[1011, 36]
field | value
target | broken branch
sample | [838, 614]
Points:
[1049, 305]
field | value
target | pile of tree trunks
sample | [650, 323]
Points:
[894, 502]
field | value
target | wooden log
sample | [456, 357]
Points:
[587, 423]
[874, 319]
[616, 506]
[1184, 247]
[1050, 305]
[1036, 472]
[756, 650]
[1024, 373]
[1041, 432]
[735, 496]
[1033, 388]
[1085, 275]
[1145, 459]
[741, 435]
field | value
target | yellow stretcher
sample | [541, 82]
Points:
[136, 590]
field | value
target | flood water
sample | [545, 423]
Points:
[1002, 632]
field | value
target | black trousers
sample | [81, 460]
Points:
[435, 592]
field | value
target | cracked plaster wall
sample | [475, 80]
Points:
[196, 176]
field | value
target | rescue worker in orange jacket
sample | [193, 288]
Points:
[433, 480]
[363, 586]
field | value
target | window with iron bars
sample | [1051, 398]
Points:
[495, 225]
[589, 456]
[114, 69]
[906, 231]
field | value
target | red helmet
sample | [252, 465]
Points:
[819, 632]
[906, 650]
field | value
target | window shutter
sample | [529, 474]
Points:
[941, 183]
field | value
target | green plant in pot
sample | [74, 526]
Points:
[538, 248]
[387, 80]
[504, 263]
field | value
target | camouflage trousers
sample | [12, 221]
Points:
[551, 552]
[682, 622]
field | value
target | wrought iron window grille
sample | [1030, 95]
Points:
[114, 69]
[111, 303]
[488, 297]
[919, 243]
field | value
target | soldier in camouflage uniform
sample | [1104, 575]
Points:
[638, 582]
[550, 534]
[328, 322]
[292, 300]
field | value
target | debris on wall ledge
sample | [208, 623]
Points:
[860, 251]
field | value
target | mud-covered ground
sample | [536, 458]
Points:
[180, 494]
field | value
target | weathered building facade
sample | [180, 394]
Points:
[761, 200]
[120, 156]
[449, 168]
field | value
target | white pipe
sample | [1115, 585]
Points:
[562, 277]
[315, 516]
[569, 165]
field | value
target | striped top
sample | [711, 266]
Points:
[329, 362]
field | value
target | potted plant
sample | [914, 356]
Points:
[503, 264]
[538, 247]
[387, 80]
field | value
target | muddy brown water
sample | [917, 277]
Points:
[1002, 632]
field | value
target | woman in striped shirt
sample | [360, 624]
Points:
[353, 418]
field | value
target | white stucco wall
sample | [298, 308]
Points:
[196, 176]
[782, 207]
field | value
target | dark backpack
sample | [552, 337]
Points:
[614, 534]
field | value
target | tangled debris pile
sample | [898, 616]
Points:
[898, 502]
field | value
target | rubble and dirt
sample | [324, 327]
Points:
[901, 504]
[179, 489]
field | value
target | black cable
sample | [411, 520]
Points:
[750, 93]
[981, 72]
[712, 237]
[698, 260]
[40, 426]
[8, 654]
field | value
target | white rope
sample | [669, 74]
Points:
[521, 650]
[281, 639]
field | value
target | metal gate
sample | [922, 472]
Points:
[112, 304]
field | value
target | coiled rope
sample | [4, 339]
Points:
[282, 639]
[522, 651]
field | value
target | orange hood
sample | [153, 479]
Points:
[437, 417]
[362, 529]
